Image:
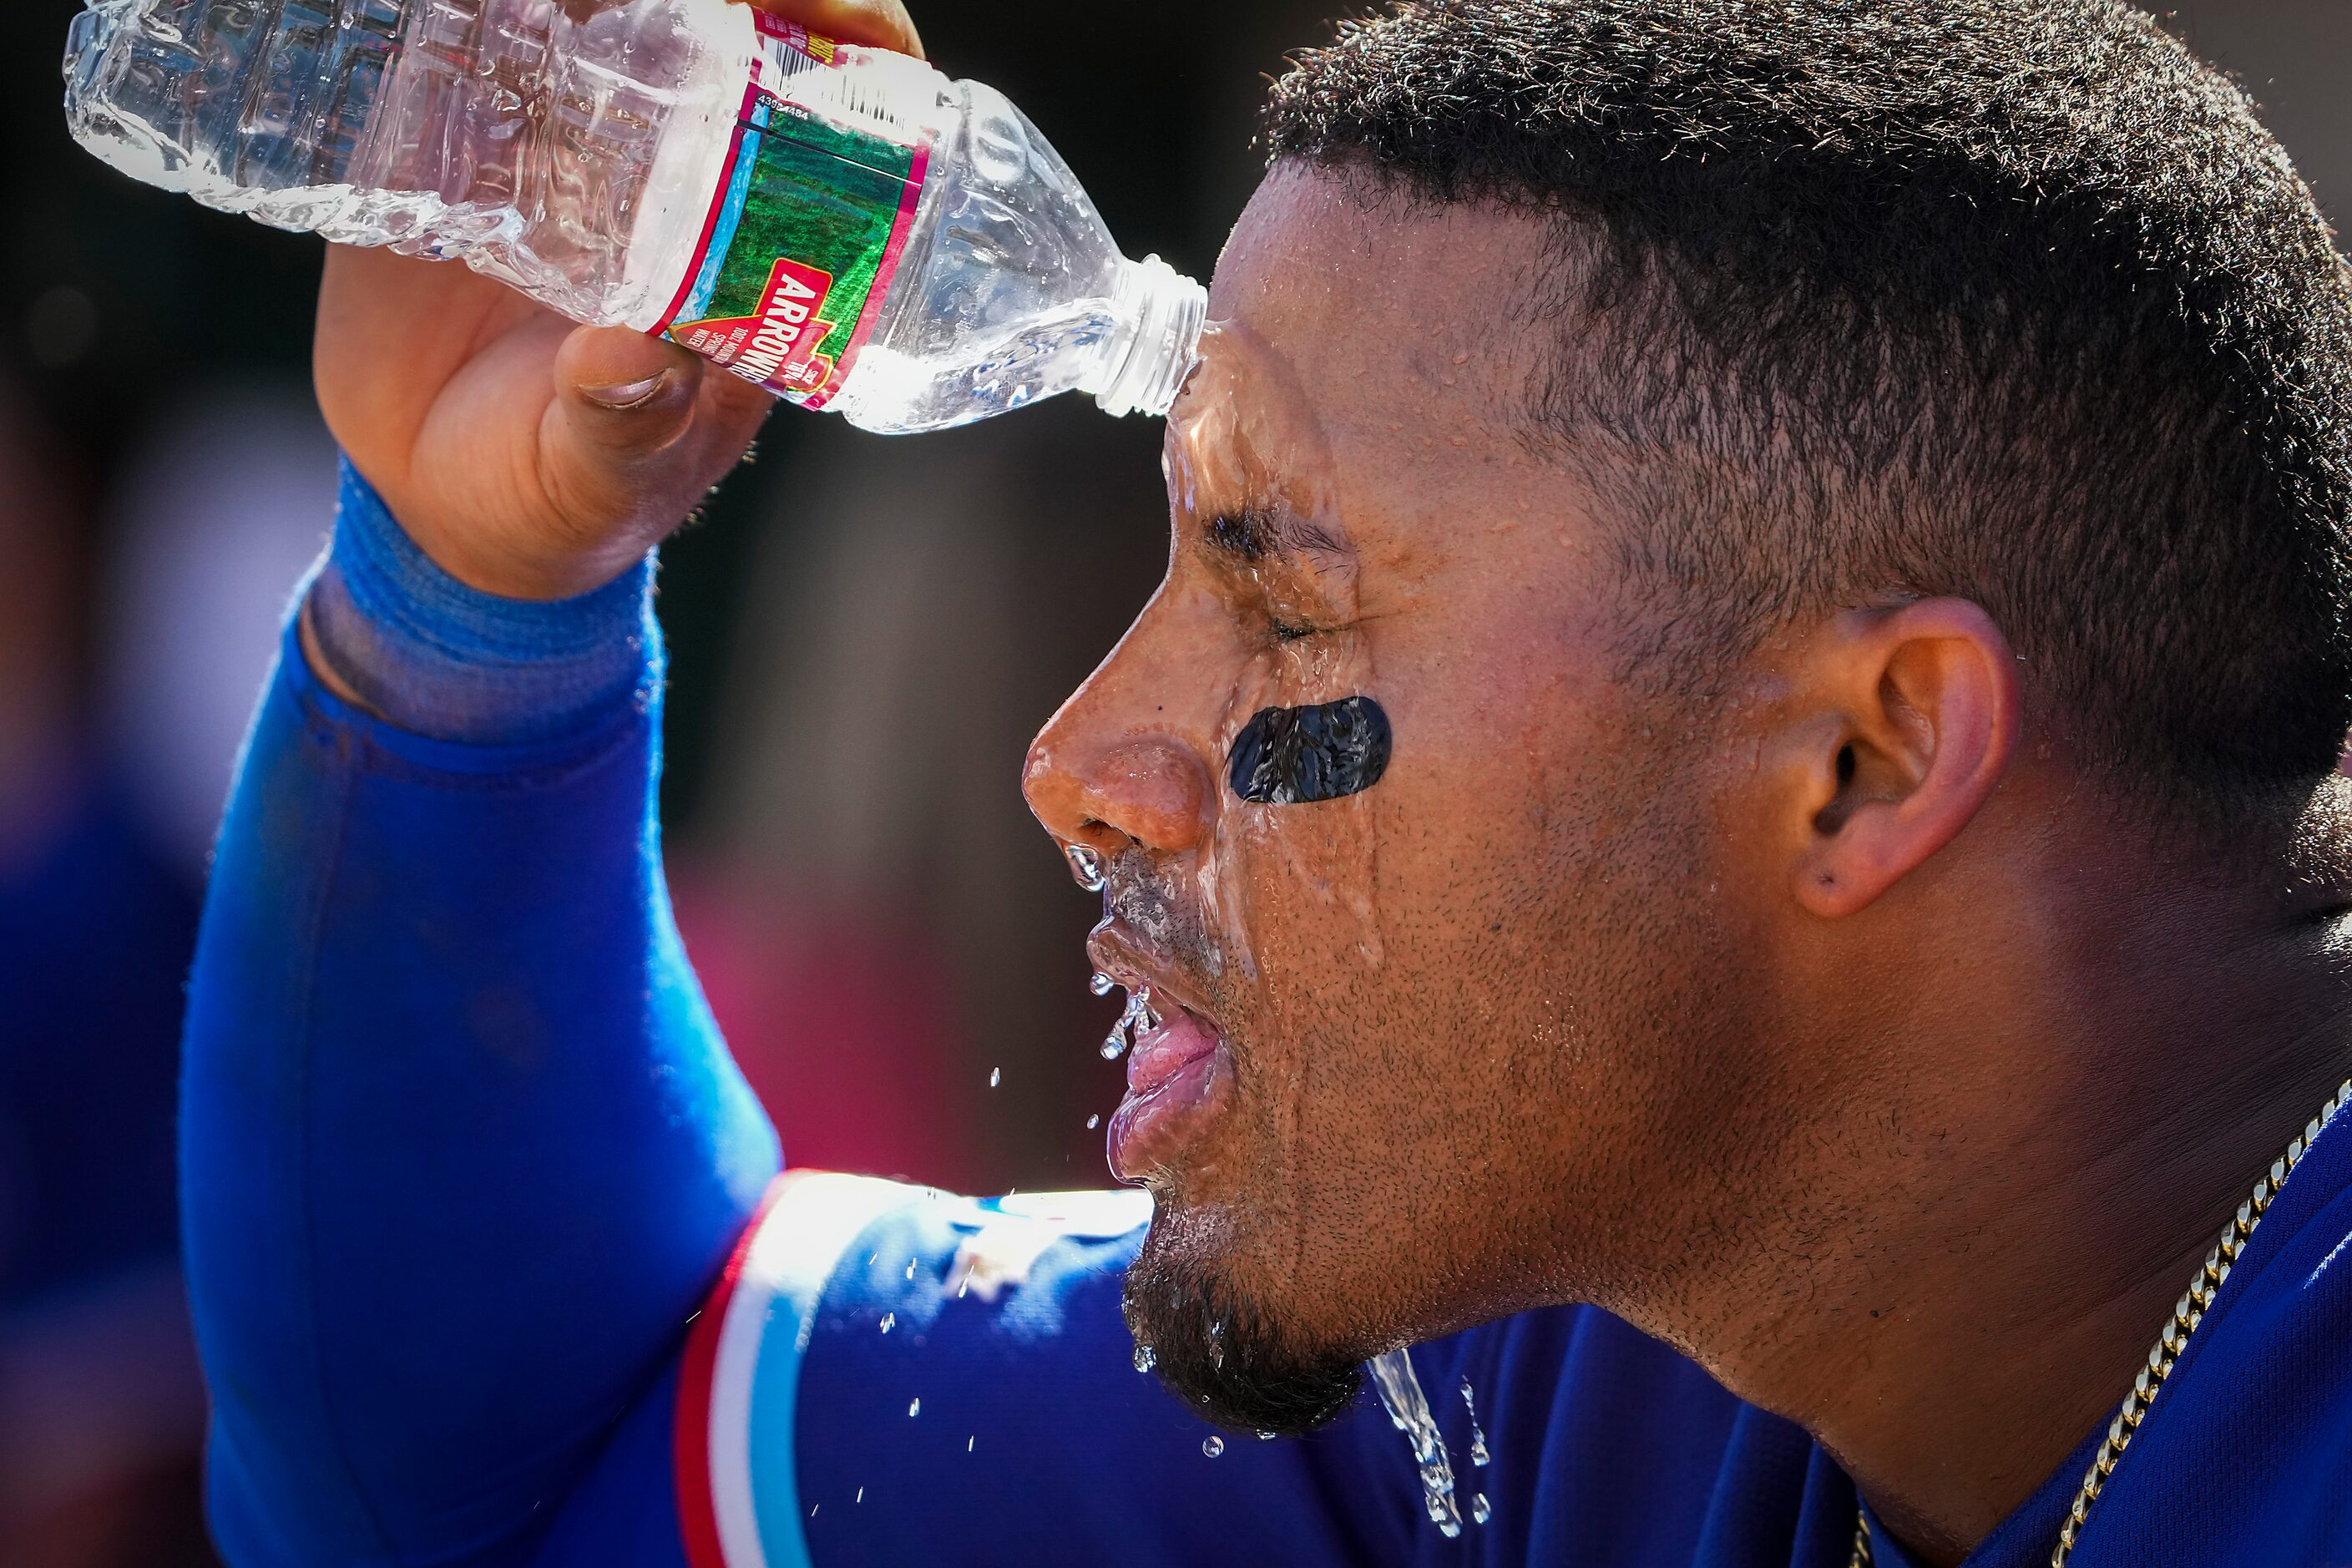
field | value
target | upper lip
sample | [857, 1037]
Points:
[1115, 953]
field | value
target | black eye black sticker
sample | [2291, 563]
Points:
[1293, 756]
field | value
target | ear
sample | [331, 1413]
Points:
[1913, 715]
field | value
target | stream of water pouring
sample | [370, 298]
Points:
[1408, 1408]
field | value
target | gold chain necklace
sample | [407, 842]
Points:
[2186, 1316]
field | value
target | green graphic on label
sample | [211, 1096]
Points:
[805, 237]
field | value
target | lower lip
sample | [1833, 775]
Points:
[1174, 1076]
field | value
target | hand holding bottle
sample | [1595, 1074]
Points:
[786, 192]
[528, 457]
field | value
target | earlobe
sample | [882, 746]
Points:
[1929, 708]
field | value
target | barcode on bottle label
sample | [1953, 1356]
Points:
[802, 51]
[802, 72]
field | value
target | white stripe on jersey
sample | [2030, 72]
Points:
[755, 1383]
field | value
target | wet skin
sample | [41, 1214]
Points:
[1384, 1011]
[1749, 1020]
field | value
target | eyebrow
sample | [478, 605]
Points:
[1254, 533]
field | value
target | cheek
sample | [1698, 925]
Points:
[1298, 873]
[1478, 724]
[1399, 925]
[1293, 890]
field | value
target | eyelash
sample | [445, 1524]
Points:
[1285, 631]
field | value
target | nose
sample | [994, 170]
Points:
[1147, 790]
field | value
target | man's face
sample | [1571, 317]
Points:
[1422, 1042]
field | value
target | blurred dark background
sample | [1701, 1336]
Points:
[864, 633]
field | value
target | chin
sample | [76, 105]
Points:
[1239, 1354]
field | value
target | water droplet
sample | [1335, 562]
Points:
[1144, 1358]
[1479, 1511]
[968, 1442]
[995, 1077]
[1408, 1409]
[910, 1268]
[914, 1407]
[1087, 866]
[1478, 1455]
[1213, 1446]
[861, 1494]
[1092, 1122]
[1101, 983]
[890, 1322]
[1135, 1017]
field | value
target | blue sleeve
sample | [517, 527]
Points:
[890, 1372]
[462, 1151]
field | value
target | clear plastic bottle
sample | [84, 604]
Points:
[842, 224]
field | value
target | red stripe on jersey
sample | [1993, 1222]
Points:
[697, 1514]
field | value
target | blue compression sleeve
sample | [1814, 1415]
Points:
[462, 1150]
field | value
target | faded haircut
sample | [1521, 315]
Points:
[2013, 300]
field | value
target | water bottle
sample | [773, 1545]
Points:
[843, 226]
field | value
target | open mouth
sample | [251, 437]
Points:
[1177, 1073]
[1174, 1076]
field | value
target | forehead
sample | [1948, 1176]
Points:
[1398, 327]
[1355, 283]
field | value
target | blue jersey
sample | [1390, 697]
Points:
[491, 1264]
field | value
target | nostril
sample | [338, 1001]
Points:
[1150, 791]
[1145, 791]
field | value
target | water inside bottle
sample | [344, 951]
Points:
[640, 164]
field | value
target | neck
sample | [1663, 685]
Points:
[2043, 1164]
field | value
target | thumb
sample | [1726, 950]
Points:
[624, 396]
[612, 450]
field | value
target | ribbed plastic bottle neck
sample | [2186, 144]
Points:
[1162, 313]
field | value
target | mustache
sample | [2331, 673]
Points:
[1164, 919]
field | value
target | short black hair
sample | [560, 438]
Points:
[2009, 298]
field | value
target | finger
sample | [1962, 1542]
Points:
[733, 403]
[884, 23]
[391, 331]
[731, 412]
[368, 304]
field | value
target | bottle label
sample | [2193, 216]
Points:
[806, 229]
